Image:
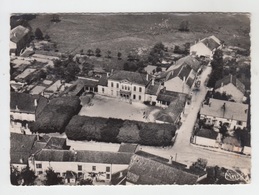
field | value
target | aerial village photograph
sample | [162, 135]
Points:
[147, 98]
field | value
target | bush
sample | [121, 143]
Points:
[117, 130]
[56, 115]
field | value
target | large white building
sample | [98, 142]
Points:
[126, 85]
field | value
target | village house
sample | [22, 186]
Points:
[152, 91]
[98, 165]
[206, 47]
[126, 85]
[231, 86]
[24, 108]
[149, 169]
[23, 146]
[232, 113]
[19, 37]
[206, 137]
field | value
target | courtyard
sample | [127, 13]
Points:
[103, 106]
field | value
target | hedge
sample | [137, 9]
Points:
[117, 131]
[56, 115]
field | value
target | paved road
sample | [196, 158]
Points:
[185, 152]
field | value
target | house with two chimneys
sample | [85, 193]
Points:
[206, 47]
[24, 109]
[232, 86]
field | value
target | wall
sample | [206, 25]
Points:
[232, 90]
[247, 150]
[205, 141]
[22, 116]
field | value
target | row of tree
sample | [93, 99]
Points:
[56, 115]
[117, 131]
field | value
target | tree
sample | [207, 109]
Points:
[86, 182]
[47, 37]
[89, 52]
[98, 52]
[14, 176]
[109, 54]
[38, 34]
[81, 52]
[184, 26]
[28, 176]
[119, 55]
[52, 178]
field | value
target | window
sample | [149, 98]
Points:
[140, 89]
[134, 96]
[40, 172]
[38, 165]
[122, 86]
[111, 84]
[139, 97]
[239, 122]
[103, 90]
[93, 168]
[79, 167]
[117, 85]
[107, 176]
[134, 88]
[108, 169]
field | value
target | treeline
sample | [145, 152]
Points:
[56, 115]
[117, 131]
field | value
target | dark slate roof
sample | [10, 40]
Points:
[18, 33]
[119, 178]
[56, 143]
[207, 133]
[83, 156]
[167, 96]
[210, 43]
[133, 77]
[21, 147]
[152, 89]
[146, 168]
[230, 79]
[103, 81]
[126, 147]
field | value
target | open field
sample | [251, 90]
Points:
[102, 106]
[127, 32]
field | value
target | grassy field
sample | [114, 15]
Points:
[127, 32]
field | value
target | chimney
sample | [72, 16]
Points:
[121, 175]
[147, 77]
[153, 82]
[14, 34]
[35, 102]
[21, 160]
[16, 107]
[37, 136]
[170, 160]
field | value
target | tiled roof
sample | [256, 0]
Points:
[146, 168]
[103, 81]
[18, 33]
[55, 143]
[83, 156]
[153, 89]
[230, 79]
[187, 60]
[175, 108]
[207, 133]
[133, 77]
[167, 96]
[233, 110]
[126, 147]
[21, 146]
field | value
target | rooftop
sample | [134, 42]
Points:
[18, 33]
[83, 156]
[146, 168]
[233, 110]
[126, 147]
[25, 73]
[153, 89]
[23, 102]
[37, 90]
[230, 79]
[187, 60]
[133, 77]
